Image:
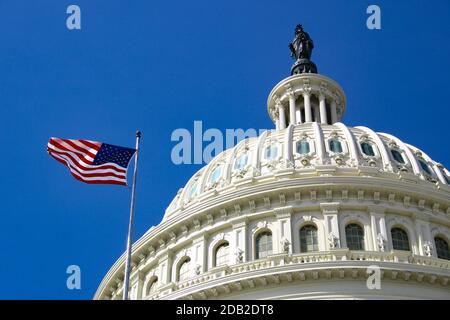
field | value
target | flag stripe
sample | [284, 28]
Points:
[85, 166]
[91, 161]
[91, 144]
[81, 148]
[89, 173]
[94, 179]
[79, 155]
[86, 147]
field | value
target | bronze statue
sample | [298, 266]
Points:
[301, 49]
[302, 45]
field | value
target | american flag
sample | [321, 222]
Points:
[91, 161]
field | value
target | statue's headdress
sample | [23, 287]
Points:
[298, 28]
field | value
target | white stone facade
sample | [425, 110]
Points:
[286, 179]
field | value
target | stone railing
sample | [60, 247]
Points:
[279, 260]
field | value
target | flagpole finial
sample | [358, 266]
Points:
[138, 133]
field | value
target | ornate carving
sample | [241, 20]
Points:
[252, 205]
[381, 241]
[333, 241]
[223, 213]
[239, 255]
[220, 236]
[262, 224]
[285, 245]
[198, 269]
[240, 173]
[428, 249]
[282, 197]
[267, 202]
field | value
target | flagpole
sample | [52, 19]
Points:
[126, 285]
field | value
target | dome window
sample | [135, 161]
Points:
[241, 162]
[263, 244]
[354, 235]
[152, 286]
[308, 239]
[222, 254]
[400, 239]
[271, 152]
[192, 190]
[184, 270]
[335, 146]
[425, 167]
[303, 147]
[442, 248]
[215, 175]
[397, 156]
[367, 149]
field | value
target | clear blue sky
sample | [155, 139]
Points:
[159, 65]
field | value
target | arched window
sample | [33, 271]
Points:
[335, 145]
[425, 167]
[263, 245]
[354, 234]
[241, 162]
[271, 152]
[222, 254]
[400, 239]
[184, 270]
[308, 239]
[367, 149]
[215, 175]
[303, 147]
[397, 156]
[192, 190]
[151, 287]
[442, 248]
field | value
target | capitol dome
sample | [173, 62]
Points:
[304, 211]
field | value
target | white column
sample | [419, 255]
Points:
[137, 283]
[198, 258]
[285, 227]
[378, 226]
[282, 117]
[330, 216]
[238, 242]
[307, 100]
[292, 108]
[323, 109]
[334, 118]
[277, 122]
[165, 264]
[423, 232]
[298, 115]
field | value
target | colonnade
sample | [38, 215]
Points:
[306, 112]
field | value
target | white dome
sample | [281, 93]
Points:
[279, 153]
[300, 212]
